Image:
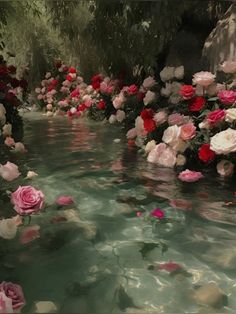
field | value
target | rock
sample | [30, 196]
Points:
[221, 43]
[210, 295]
[45, 307]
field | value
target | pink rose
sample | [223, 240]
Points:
[203, 78]
[181, 204]
[190, 176]
[157, 213]
[132, 133]
[160, 117]
[9, 171]
[5, 304]
[227, 97]
[27, 200]
[118, 101]
[162, 155]
[132, 89]
[64, 200]
[9, 141]
[187, 131]
[29, 234]
[176, 118]
[15, 293]
[215, 116]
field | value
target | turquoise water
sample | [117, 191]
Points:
[93, 262]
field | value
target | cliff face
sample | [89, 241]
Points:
[221, 43]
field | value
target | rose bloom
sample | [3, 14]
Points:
[187, 131]
[8, 228]
[49, 106]
[162, 155]
[120, 115]
[166, 91]
[215, 88]
[180, 160]
[112, 119]
[7, 129]
[20, 147]
[227, 97]
[167, 74]
[149, 125]
[29, 234]
[187, 91]
[228, 66]
[203, 78]
[175, 118]
[15, 293]
[27, 200]
[171, 135]
[215, 116]
[230, 115]
[5, 303]
[147, 114]
[149, 98]
[205, 154]
[190, 176]
[196, 104]
[150, 146]
[101, 105]
[157, 213]
[160, 117]
[64, 200]
[9, 141]
[179, 72]
[118, 101]
[149, 82]
[225, 168]
[133, 89]
[224, 142]
[9, 171]
[132, 133]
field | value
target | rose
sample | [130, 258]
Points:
[101, 105]
[31, 174]
[20, 147]
[72, 70]
[230, 115]
[167, 74]
[160, 117]
[171, 135]
[118, 101]
[227, 97]
[150, 146]
[196, 104]
[147, 114]
[149, 125]
[179, 72]
[190, 176]
[162, 155]
[149, 98]
[64, 200]
[9, 141]
[5, 304]
[7, 129]
[112, 119]
[176, 118]
[174, 99]
[180, 160]
[187, 131]
[120, 115]
[214, 88]
[224, 142]
[29, 234]
[132, 133]
[49, 106]
[225, 168]
[133, 89]
[228, 66]
[187, 91]
[27, 200]
[157, 213]
[8, 227]
[181, 204]
[149, 82]
[215, 116]
[205, 154]
[203, 78]
[9, 171]
[15, 293]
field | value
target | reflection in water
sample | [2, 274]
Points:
[88, 257]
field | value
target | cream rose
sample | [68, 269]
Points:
[160, 117]
[167, 74]
[203, 78]
[224, 142]
[150, 146]
[171, 135]
[149, 98]
[230, 115]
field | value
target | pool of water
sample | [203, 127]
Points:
[98, 260]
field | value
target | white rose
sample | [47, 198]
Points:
[203, 78]
[160, 117]
[150, 146]
[171, 135]
[179, 72]
[180, 160]
[175, 87]
[175, 99]
[166, 91]
[167, 74]
[120, 115]
[139, 126]
[8, 227]
[228, 67]
[149, 98]
[149, 82]
[48, 75]
[162, 155]
[230, 115]
[112, 119]
[224, 142]
[7, 129]
[225, 168]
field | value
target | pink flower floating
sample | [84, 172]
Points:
[169, 266]
[11, 298]
[190, 176]
[64, 200]
[157, 213]
[27, 200]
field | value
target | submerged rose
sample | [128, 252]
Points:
[190, 176]
[27, 200]
[15, 293]
[157, 213]
[29, 234]
[64, 200]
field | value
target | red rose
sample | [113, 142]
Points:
[101, 105]
[72, 70]
[69, 78]
[196, 104]
[11, 69]
[81, 107]
[74, 93]
[133, 89]
[149, 125]
[147, 114]
[65, 68]
[205, 154]
[54, 82]
[15, 82]
[96, 85]
[187, 91]
[215, 116]
[96, 78]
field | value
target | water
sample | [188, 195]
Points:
[92, 263]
